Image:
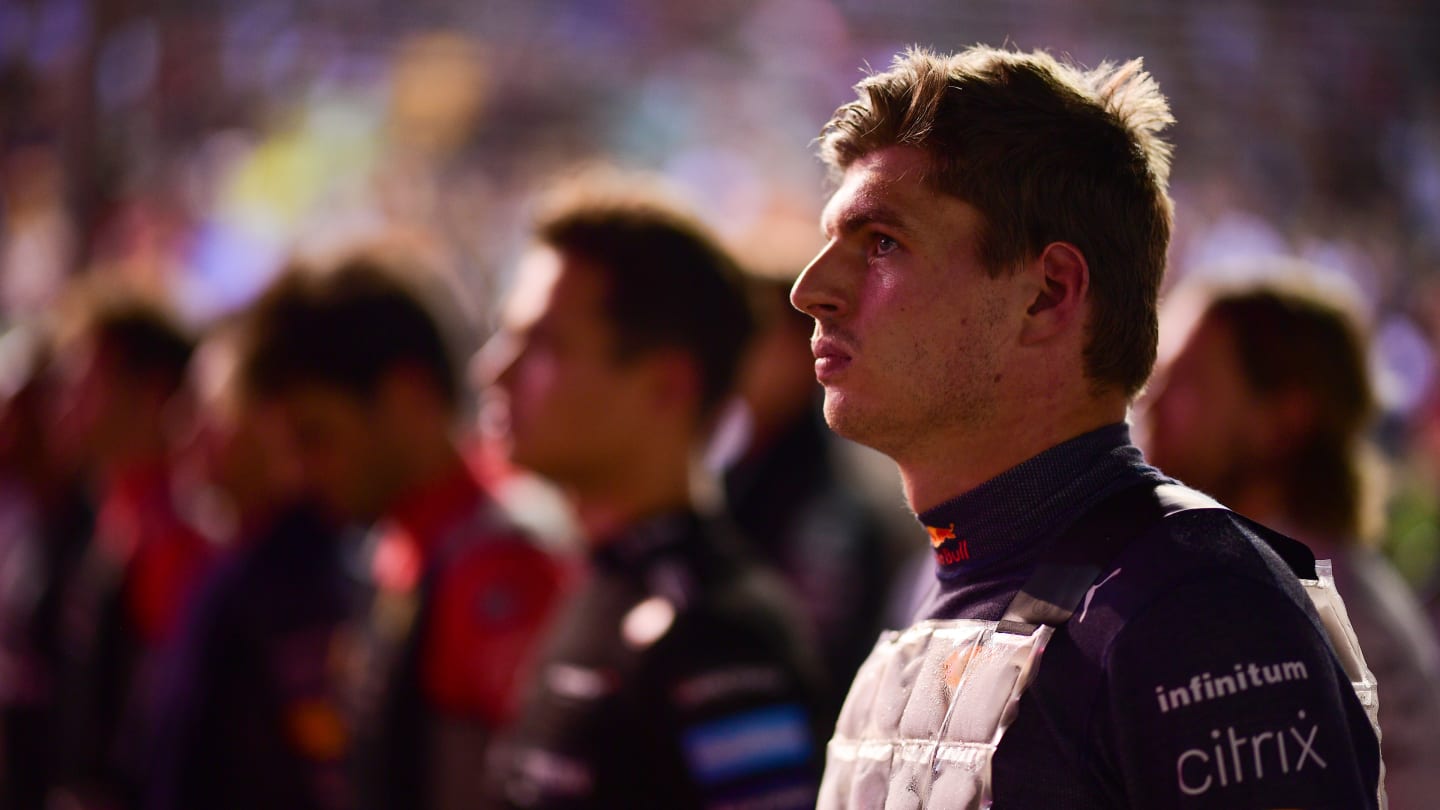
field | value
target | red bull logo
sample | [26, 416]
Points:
[940, 537]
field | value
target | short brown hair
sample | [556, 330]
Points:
[669, 283]
[345, 327]
[141, 336]
[1046, 152]
[1293, 336]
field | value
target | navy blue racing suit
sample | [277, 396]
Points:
[1193, 675]
[253, 708]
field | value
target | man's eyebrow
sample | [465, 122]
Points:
[856, 218]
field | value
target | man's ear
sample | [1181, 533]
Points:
[1286, 418]
[670, 381]
[407, 393]
[676, 379]
[1063, 282]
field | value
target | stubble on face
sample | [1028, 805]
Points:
[923, 323]
[943, 384]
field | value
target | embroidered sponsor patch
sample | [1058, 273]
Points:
[727, 683]
[1205, 687]
[749, 743]
[949, 549]
[1230, 758]
[938, 536]
[580, 683]
[316, 729]
[556, 774]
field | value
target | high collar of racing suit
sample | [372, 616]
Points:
[140, 481]
[1024, 506]
[429, 512]
[640, 544]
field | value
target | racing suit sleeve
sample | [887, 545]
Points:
[1224, 694]
[744, 725]
[491, 608]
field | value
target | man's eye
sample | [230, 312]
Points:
[884, 245]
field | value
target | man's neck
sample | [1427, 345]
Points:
[437, 460]
[138, 452]
[606, 508]
[426, 465]
[1263, 499]
[951, 465]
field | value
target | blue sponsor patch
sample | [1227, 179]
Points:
[750, 743]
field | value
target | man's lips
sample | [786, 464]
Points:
[831, 357]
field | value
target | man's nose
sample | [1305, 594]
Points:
[817, 292]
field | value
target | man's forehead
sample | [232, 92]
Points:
[534, 285]
[215, 369]
[315, 399]
[873, 185]
[554, 287]
[1181, 316]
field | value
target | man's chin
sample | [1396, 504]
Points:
[513, 448]
[842, 417]
[343, 513]
[526, 458]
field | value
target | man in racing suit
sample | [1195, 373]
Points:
[678, 677]
[454, 594]
[1097, 637]
[250, 713]
[122, 362]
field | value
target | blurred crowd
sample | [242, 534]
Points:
[274, 564]
[255, 517]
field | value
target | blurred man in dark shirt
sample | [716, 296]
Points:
[122, 361]
[252, 711]
[678, 677]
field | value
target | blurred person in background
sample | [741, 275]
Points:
[38, 240]
[985, 312]
[253, 710]
[1266, 405]
[679, 676]
[788, 492]
[122, 361]
[361, 367]
[46, 520]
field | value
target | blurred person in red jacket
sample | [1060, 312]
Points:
[122, 360]
[364, 373]
[1265, 406]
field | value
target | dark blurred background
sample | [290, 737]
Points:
[192, 147]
